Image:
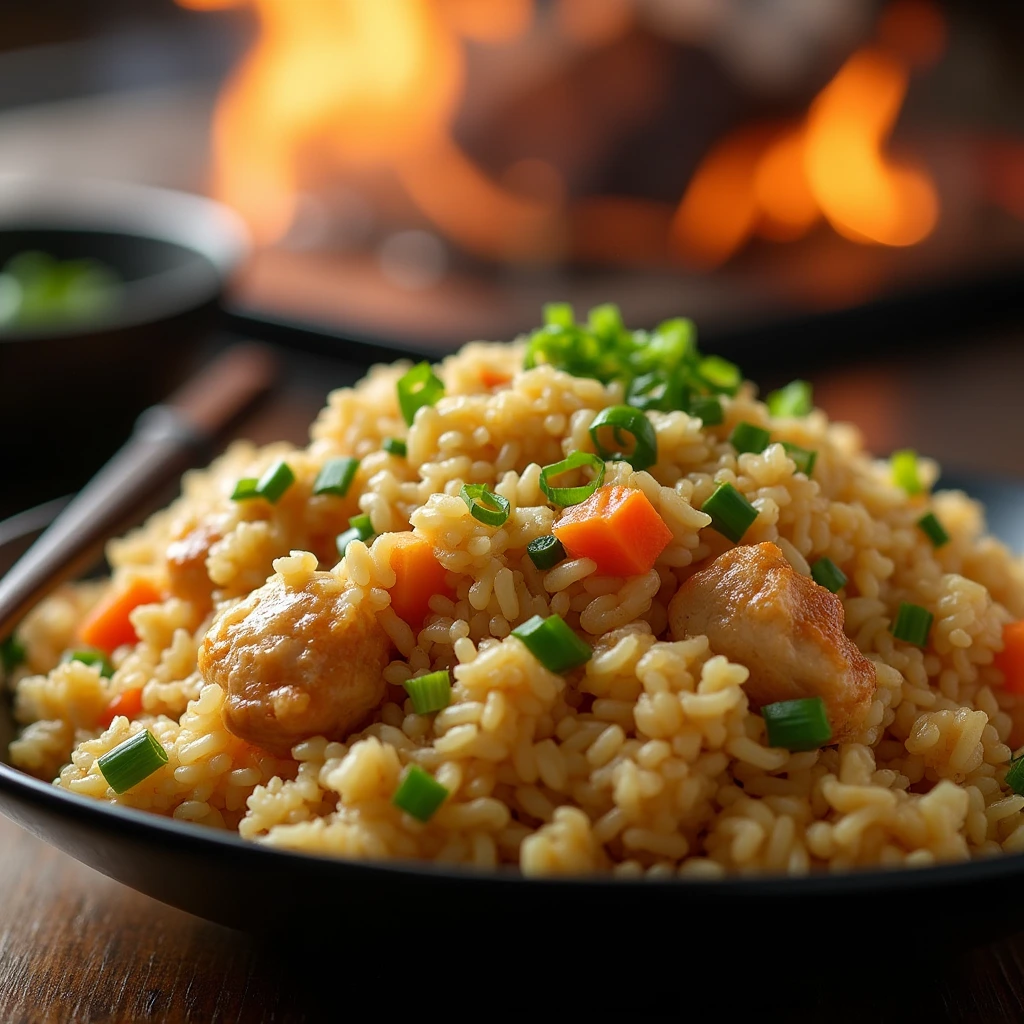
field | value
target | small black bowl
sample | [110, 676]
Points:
[72, 390]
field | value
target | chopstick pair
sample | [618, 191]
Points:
[168, 439]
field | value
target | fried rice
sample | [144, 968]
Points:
[650, 758]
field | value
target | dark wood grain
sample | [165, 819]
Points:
[76, 946]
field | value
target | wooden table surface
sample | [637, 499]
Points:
[77, 947]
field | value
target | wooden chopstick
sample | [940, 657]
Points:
[168, 438]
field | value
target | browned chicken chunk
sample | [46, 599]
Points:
[788, 631]
[186, 565]
[296, 663]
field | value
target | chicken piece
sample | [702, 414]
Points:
[186, 565]
[788, 631]
[296, 663]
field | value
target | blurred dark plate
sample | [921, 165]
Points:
[88, 380]
[220, 877]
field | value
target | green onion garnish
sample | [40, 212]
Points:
[565, 496]
[417, 388]
[797, 724]
[559, 314]
[545, 552]
[827, 574]
[792, 400]
[803, 458]
[132, 761]
[707, 408]
[1015, 775]
[277, 479]
[245, 489]
[904, 471]
[913, 623]
[419, 794]
[12, 653]
[90, 657]
[623, 418]
[933, 529]
[720, 375]
[731, 513]
[748, 438]
[484, 504]
[359, 528]
[553, 643]
[395, 446]
[430, 692]
[336, 477]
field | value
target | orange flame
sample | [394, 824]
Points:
[371, 85]
[777, 182]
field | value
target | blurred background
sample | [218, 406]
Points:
[827, 187]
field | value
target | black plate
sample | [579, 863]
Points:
[220, 877]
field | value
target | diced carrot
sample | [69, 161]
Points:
[128, 704]
[493, 378]
[419, 576]
[1010, 660]
[107, 626]
[618, 528]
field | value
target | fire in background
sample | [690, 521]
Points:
[538, 133]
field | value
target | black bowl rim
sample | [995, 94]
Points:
[72, 806]
[204, 227]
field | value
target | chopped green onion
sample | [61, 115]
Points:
[132, 761]
[904, 471]
[1015, 775]
[336, 477]
[90, 657]
[417, 388]
[571, 495]
[395, 446]
[430, 692]
[827, 574]
[277, 479]
[748, 438]
[545, 552]
[731, 513]
[803, 458]
[720, 375]
[419, 794]
[559, 314]
[619, 418]
[12, 653]
[360, 528]
[553, 643]
[792, 400]
[606, 322]
[797, 724]
[913, 623]
[484, 505]
[933, 529]
[245, 489]
[707, 408]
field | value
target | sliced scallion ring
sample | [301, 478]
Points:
[417, 388]
[395, 446]
[731, 513]
[546, 552]
[484, 505]
[132, 761]
[913, 624]
[87, 656]
[430, 692]
[792, 400]
[565, 496]
[797, 724]
[336, 476]
[905, 472]
[553, 643]
[419, 794]
[746, 437]
[620, 419]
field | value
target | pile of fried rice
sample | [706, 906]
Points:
[651, 758]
